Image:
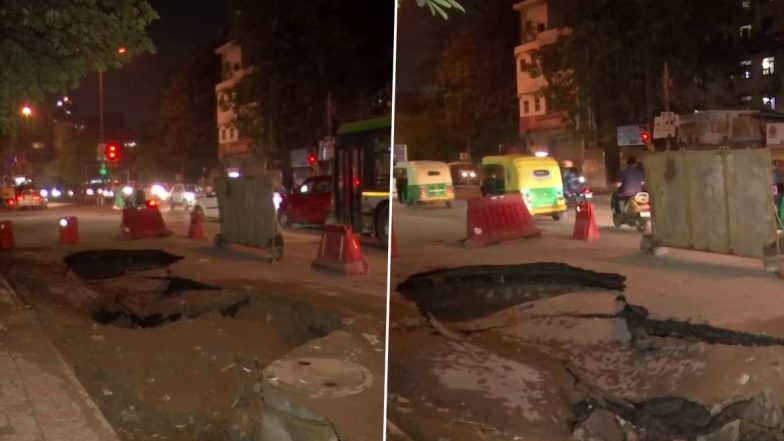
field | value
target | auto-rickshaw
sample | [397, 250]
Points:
[537, 179]
[777, 157]
[424, 182]
[464, 173]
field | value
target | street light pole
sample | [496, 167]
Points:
[100, 104]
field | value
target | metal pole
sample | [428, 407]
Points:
[666, 90]
[100, 104]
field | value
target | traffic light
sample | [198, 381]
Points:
[112, 152]
[311, 158]
[645, 136]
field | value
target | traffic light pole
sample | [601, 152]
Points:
[666, 95]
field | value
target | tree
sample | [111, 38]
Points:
[440, 7]
[184, 137]
[608, 69]
[301, 53]
[49, 45]
[466, 101]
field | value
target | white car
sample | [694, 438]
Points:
[184, 195]
[207, 204]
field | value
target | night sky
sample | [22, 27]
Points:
[134, 88]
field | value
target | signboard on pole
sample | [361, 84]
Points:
[775, 135]
[664, 125]
[630, 135]
[401, 153]
[326, 149]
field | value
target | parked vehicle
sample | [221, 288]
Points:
[310, 203]
[184, 195]
[635, 211]
[464, 173]
[206, 205]
[30, 197]
[424, 182]
[537, 179]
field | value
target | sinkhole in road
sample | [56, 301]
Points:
[473, 292]
[470, 292]
[108, 264]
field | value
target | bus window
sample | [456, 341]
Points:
[493, 179]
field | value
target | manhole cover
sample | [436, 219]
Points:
[323, 377]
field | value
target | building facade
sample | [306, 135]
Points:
[236, 151]
[760, 81]
[543, 127]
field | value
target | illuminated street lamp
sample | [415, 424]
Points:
[26, 111]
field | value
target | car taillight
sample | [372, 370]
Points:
[356, 182]
[19, 197]
[151, 203]
[10, 202]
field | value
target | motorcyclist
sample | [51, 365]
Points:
[631, 181]
[571, 182]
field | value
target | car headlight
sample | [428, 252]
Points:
[44, 193]
[127, 190]
[56, 193]
[277, 199]
[581, 179]
[189, 196]
[473, 174]
[90, 192]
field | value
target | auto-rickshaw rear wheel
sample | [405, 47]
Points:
[557, 216]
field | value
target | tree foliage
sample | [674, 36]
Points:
[302, 52]
[49, 45]
[470, 101]
[609, 70]
[184, 137]
[440, 7]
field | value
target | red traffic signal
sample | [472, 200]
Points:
[112, 152]
[645, 137]
[311, 158]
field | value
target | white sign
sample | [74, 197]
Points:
[326, 149]
[775, 135]
[664, 125]
[630, 135]
[401, 153]
[299, 158]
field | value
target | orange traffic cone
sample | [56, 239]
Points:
[584, 223]
[195, 231]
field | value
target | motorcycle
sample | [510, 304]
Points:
[573, 196]
[635, 211]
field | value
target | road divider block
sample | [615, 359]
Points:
[141, 222]
[196, 229]
[584, 222]
[69, 230]
[340, 251]
[7, 241]
[496, 219]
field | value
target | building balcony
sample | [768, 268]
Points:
[242, 147]
[549, 121]
[543, 38]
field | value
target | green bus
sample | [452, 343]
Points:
[361, 176]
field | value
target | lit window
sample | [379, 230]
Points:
[745, 31]
[769, 102]
[767, 65]
[745, 69]
[526, 107]
[746, 4]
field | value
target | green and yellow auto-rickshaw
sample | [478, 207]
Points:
[537, 179]
[424, 182]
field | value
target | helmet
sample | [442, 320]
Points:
[567, 164]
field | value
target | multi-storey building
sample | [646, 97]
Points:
[760, 82]
[236, 151]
